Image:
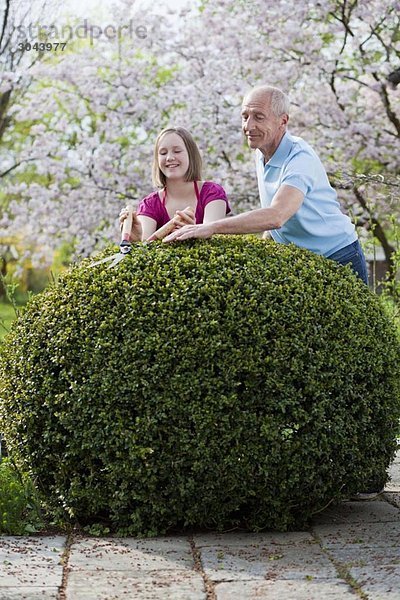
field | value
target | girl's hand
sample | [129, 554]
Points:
[136, 231]
[184, 217]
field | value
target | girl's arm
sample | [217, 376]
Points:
[149, 226]
[214, 211]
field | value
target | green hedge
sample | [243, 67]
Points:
[202, 384]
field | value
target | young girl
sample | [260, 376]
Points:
[177, 172]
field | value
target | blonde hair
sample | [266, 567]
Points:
[195, 163]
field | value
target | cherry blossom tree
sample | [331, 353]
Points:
[79, 138]
[88, 123]
[335, 59]
[16, 16]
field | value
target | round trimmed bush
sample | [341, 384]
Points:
[202, 384]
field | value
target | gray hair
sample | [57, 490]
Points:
[280, 103]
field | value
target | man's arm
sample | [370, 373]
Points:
[284, 205]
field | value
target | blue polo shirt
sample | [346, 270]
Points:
[319, 224]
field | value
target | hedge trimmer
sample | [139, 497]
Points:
[126, 244]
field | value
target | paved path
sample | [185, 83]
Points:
[352, 551]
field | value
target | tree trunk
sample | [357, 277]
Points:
[379, 233]
[3, 274]
[4, 120]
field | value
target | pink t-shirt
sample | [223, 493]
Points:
[153, 207]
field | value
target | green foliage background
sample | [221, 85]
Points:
[19, 505]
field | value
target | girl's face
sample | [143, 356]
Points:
[173, 158]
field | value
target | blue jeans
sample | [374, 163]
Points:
[354, 255]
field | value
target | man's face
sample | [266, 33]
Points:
[262, 128]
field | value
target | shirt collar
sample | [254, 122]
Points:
[281, 153]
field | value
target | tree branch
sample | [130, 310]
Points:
[388, 108]
[345, 20]
[5, 20]
[16, 165]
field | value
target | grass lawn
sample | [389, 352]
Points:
[7, 316]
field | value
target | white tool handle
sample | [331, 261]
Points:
[127, 225]
[168, 227]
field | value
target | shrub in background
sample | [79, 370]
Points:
[19, 504]
[202, 384]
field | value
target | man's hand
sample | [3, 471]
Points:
[190, 231]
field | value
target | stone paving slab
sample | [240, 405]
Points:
[170, 584]
[36, 550]
[393, 498]
[268, 562]
[331, 589]
[394, 472]
[381, 583]
[28, 561]
[28, 593]
[253, 539]
[374, 511]
[379, 535]
[25, 575]
[360, 555]
[131, 554]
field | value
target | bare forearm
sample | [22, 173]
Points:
[285, 203]
[253, 221]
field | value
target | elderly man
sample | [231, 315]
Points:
[298, 203]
